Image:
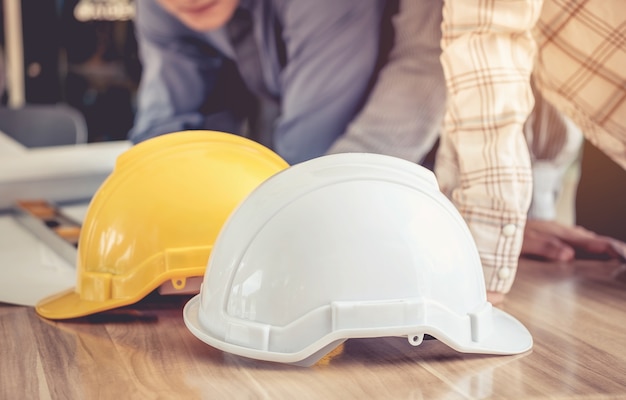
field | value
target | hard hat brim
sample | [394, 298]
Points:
[191, 313]
[508, 337]
[68, 304]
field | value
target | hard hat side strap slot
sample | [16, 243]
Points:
[377, 314]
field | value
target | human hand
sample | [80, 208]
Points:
[553, 241]
[495, 298]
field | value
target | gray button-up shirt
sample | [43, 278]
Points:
[329, 53]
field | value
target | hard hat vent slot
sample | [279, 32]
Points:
[416, 340]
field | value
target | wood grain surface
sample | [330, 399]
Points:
[575, 312]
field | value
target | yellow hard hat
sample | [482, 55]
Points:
[156, 216]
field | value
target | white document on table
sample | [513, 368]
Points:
[29, 269]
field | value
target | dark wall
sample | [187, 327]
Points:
[92, 66]
[40, 36]
[601, 196]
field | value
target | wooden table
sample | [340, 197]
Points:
[576, 313]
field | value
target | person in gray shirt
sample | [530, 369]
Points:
[309, 63]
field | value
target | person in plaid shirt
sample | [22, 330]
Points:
[576, 50]
[572, 52]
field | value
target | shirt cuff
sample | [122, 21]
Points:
[499, 243]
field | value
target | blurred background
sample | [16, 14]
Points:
[83, 53]
[79, 52]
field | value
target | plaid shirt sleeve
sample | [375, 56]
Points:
[581, 67]
[483, 163]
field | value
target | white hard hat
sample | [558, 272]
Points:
[347, 246]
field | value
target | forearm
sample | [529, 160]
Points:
[484, 164]
[332, 55]
[403, 114]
